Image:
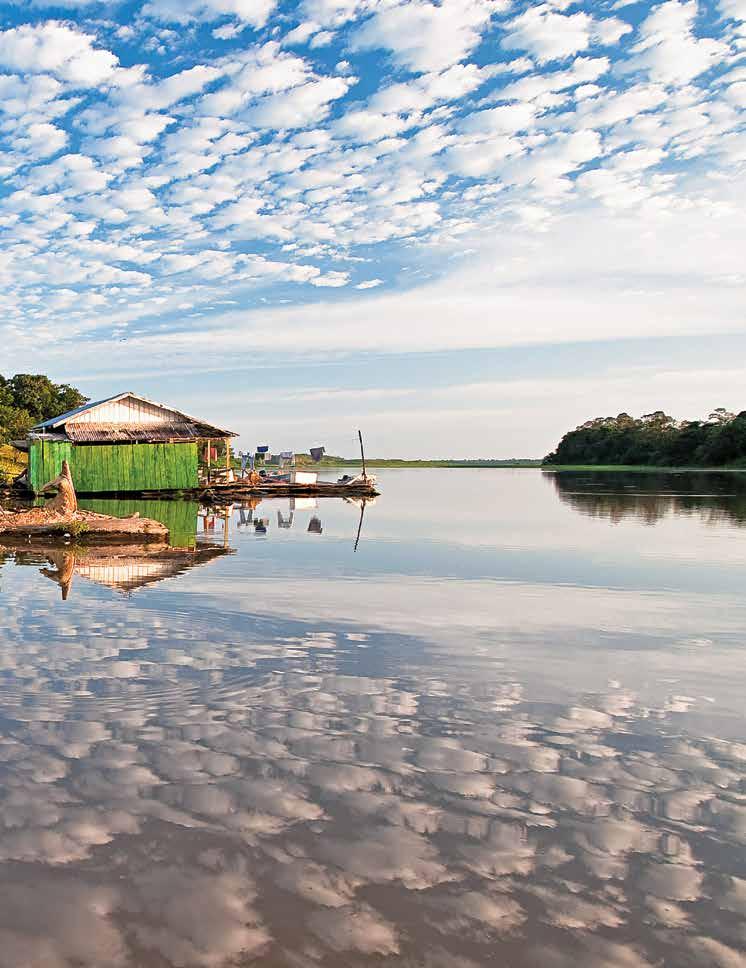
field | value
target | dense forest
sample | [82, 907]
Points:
[27, 398]
[656, 440]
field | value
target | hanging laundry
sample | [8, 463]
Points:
[263, 449]
[317, 453]
[287, 454]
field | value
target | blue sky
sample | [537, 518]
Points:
[465, 226]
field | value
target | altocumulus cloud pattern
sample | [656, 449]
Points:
[173, 159]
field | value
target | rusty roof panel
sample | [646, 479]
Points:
[107, 433]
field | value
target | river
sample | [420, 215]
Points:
[495, 717]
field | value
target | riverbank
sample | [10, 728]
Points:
[329, 462]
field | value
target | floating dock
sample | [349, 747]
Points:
[268, 488]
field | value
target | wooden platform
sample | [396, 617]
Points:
[238, 490]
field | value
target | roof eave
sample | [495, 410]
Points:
[63, 418]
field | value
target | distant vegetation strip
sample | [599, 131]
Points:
[655, 440]
[643, 468]
[330, 461]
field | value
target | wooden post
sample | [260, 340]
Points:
[362, 453]
[209, 459]
[227, 454]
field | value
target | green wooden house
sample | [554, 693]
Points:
[124, 443]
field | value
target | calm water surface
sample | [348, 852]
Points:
[510, 729]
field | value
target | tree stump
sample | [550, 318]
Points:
[66, 500]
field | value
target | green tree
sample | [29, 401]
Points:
[656, 439]
[28, 398]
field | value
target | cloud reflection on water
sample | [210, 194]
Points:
[478, 771]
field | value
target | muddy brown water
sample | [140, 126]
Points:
[509, 729]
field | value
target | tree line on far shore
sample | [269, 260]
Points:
[28, 398]
[656, 440]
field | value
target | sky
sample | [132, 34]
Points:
[464, 227]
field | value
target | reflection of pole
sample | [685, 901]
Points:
[362, 452]
[359, 525]
[226, 519]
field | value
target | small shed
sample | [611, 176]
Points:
[123, 443]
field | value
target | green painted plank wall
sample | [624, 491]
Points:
[116, 467]
[45, 461]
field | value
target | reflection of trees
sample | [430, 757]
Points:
[715, 498]
[202, 794]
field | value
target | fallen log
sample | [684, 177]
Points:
[60, 518]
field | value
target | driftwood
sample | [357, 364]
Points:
[61, 518]
[66, 501]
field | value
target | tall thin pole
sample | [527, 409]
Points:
[362, 452]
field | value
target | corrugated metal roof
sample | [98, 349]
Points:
[63, 418]
[110, 433]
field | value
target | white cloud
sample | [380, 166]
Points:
[299, 107]
[549, 35]
[261, 70]
[334, 13]
[368, 126]
[424, 37]
[423, 92]
[537, 86]
[302, 33]
[736, 94]
[41, 139]
[227, 31]
[58, 49]
[322, 39]
[173, 184]
[505, 119]
[331, 280]
[735, 9]
[254, 12]
[592, 275]
[668, 50]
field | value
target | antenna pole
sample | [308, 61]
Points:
[362, 452]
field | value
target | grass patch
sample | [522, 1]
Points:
[74, 528]
[12, 463]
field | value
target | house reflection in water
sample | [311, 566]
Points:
[198, 534]
[125, 568]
